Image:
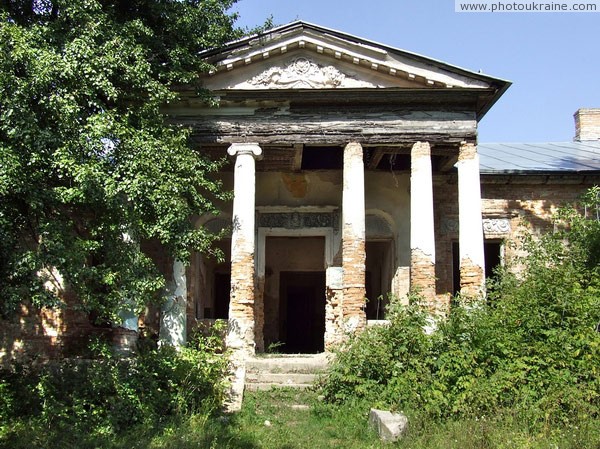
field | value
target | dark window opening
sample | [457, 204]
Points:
[493, 257]
[492, 251]
[222, 290]
[322, 158]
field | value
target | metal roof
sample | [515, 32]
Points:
[562, 157]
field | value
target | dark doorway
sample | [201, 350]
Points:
[378, 278]
[455, 269]
[302, 311]
[222, 290]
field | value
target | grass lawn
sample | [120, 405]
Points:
[291, 419]
[282, 419]
[273, 420]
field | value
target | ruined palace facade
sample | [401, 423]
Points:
[356, 172]
[340, 149]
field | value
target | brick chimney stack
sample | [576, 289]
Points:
[587, 124]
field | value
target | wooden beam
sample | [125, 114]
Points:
[374, 162]
[448, 162]
[330, 129]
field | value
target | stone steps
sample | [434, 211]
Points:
[266, 386]
[291, 371]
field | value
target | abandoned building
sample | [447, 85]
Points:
[356, 172]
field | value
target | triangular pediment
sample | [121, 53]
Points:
[305, 56]
[302, 69]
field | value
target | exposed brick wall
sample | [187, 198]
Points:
[528, 202]
[66, 331]
[34, 333]
[422, 274]
[470, 279]
[445, 197]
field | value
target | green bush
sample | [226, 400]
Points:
[532, 347]
[109, 395]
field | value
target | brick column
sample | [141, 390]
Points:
[472, 261]
[353, 239]
[240, 336]
[422, 237]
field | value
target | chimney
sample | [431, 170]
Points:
[587, 124]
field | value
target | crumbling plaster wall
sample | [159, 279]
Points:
[309, 188]
[388, 194]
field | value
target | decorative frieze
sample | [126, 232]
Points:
[495, 226]
[298, 220]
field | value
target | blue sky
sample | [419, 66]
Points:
[552, 59]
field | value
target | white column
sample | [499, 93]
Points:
[422, 237]
[173, 323]
[125, 332]
[472, 261]
[241, 330]
[353, 238]
[241, 305]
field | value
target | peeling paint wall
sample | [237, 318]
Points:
[318, 188]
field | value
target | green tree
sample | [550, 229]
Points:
[88, 165]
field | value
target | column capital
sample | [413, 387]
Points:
[252, 149]
[467, 151]
[420, 149]
[353, 147]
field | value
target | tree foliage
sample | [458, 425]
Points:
[88, 165]
[532, 348]
[106, 398]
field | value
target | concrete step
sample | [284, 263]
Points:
[313, 363]
[293, 371]
[281, 378]
[265, 386]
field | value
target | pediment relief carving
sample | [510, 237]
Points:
[304, 73]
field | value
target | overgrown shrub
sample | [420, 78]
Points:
[533, 346]
[105, 396]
